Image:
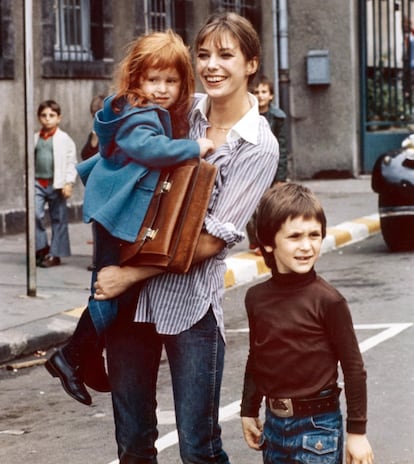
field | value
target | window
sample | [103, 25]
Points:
[72, 42]
[77, 38]
[248, 9]
[6, 40]
[159, 15]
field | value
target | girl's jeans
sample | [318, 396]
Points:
[196, 358]
[303, 440]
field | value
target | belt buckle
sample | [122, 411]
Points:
[281, 407]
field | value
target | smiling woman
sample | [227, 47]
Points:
[183, 312]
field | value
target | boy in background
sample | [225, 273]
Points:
[300, 328]
[55, 173]
[263, 90]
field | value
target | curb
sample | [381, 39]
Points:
[246, 266]
[242, 268]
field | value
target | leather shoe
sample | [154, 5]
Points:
[69, 377]
[49, 261]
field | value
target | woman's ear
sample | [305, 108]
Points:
[268, 248]
[252, 66]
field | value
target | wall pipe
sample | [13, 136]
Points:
[284, 80]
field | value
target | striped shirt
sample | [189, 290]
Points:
[246, 163]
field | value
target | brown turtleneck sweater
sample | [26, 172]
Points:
[300, 327]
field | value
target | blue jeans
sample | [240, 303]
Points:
[106, 253]
[303, 440]
[196, 359]
[58, 212]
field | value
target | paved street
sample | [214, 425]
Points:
[40, 423]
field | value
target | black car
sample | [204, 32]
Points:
[393, 180]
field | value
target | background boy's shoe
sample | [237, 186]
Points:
[41, 254]
[50, 261]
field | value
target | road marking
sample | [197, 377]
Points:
[389, 330]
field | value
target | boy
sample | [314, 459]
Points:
[55, 173]
[263, 91]
[300, 327]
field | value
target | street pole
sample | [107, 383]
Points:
[29, 145]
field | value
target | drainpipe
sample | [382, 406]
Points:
[284, 65]
[276, 100]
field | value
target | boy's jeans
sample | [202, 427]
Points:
[196, 359]
[316, 439]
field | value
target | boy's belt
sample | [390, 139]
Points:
[326, 401]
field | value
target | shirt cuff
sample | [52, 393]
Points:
[225, 231]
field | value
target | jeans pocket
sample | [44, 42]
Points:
[321, 447]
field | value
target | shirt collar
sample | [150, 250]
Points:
[246, 128]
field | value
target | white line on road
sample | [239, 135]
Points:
[390, 330]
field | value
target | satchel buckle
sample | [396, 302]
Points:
[281, 407]
[166, 186]
[150, 234]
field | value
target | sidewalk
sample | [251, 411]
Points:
[28, 324]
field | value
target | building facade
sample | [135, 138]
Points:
[311, 49]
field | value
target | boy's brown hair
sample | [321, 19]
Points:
[49, 104]
[280, 203]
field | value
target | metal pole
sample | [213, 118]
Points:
[29, 139]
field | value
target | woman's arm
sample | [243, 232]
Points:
[114, 280]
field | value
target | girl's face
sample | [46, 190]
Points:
[297, 245]
[223, 69]
[161, 86]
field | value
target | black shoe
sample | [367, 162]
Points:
[94, 372]
[41, 254]
[50, 261]
[69, 377]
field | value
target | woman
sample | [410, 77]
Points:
[183, 313]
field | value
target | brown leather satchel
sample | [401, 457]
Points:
[172, 225]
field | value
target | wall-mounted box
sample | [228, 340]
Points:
[317, 65]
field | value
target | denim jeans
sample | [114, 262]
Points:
[58, 212]
[303, 440]
[196, 359]
[106, 253]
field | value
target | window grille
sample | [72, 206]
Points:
[241, 7]
[73, 30]
[6, 40]
[159, 15]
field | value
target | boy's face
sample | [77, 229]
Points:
[49, 119]
[264, 97]
[297, 245]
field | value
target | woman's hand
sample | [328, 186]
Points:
[358, 450]
[252, 431]
[112, 281]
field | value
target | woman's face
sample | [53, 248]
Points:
[222, 67]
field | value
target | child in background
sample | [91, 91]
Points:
[140, 131]
[91, 146]
[55, 174]
[263, 90]
[300, 328]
